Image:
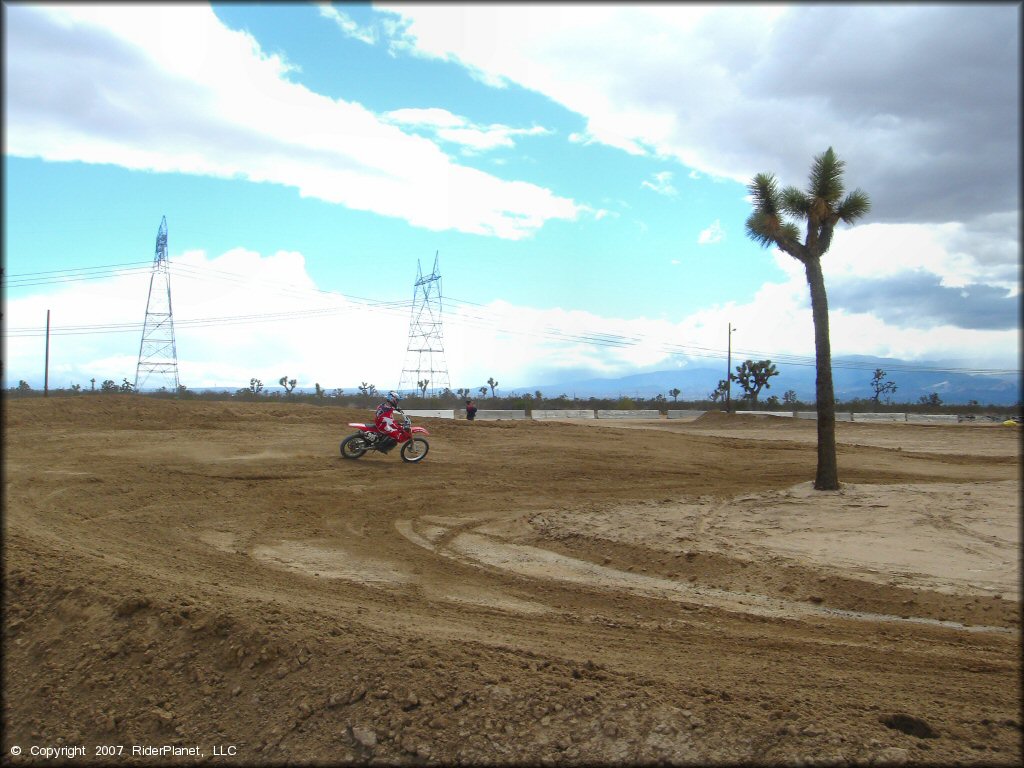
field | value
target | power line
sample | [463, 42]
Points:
[471, 314]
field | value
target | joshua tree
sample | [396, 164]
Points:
[493, 385]
[753, 377]
[823, 206]
[483, 391]
[255, 386]
[789, 397]
[288, 384]
[719, 392]
[422, 384]
[880, 386]
[675, 392]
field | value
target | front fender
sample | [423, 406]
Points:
[421, 430]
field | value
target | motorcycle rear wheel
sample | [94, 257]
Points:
[414, 450]
[353, 447]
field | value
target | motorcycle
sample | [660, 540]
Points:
[414, 448]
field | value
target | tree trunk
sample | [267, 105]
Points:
[827, 475]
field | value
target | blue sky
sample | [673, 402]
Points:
[581, 170]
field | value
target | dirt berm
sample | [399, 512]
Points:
[211, 582]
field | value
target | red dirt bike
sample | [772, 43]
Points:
[414, 448]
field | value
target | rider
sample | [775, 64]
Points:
[384, 420]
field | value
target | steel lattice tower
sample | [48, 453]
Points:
[157, 352]
[424, 356]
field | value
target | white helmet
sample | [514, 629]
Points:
[393, 398]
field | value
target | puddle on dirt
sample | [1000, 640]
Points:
[330, 563]
[537, 563]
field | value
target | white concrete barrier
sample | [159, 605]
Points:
[866, 418]
[496, 415]
[685, 415]
[788, 414]
[436, 413]
[870, 417]
[564, 413]
[840, 416]
[932, 418]
[615, 414]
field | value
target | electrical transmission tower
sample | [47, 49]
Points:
[424, 356]
[157, 353]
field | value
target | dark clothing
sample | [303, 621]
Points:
[470, 411]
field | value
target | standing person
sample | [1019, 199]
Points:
[385, 422]
[470, 410]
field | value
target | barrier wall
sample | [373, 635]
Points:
[869, 417]
[932, 418]
[433, 414]
[605, 414]
[483, 415]
[910, 418]
[814, 415]
[562, 414]
[685, 415]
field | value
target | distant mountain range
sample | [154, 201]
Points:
[851, 376]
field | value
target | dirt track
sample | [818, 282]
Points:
[214, 575]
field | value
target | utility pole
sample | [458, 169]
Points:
[728, 374]
[46, 367]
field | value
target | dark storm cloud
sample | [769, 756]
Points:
[918, 300]
[923, 102]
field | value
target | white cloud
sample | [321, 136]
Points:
[168, 88]
[306, 333]
[878, 251]
[458, 130]
[346, 24]
[433, 117]
[706, 84]
[712, 234]
[661, 183]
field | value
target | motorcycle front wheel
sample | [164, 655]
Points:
[414, 450]
[353, 447]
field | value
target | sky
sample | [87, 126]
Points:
[578, 173]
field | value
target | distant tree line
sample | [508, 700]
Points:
[751, 377]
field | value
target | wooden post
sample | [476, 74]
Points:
[46, 370]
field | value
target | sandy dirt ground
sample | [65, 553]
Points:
[211, 582]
